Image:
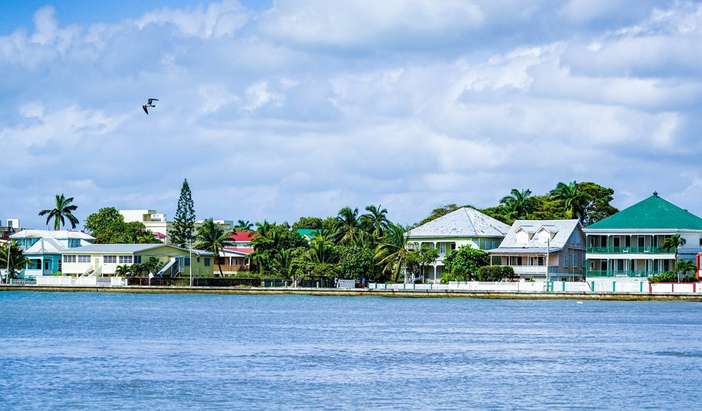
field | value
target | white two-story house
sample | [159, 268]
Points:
[465, 226]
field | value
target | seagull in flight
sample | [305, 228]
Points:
[149, 103]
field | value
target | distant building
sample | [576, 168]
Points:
[530, 243]
[465, 226]
[153, 220]
[307, 233]
[236, 255]
[43, 249]
[227, 225]
[10, 226]
[630, 243]
[103, 259]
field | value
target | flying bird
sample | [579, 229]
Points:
[149, 104]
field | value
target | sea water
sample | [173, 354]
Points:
[172, 352]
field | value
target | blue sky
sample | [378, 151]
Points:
[287, 108]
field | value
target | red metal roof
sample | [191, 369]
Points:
[241, 236]
[242, 250]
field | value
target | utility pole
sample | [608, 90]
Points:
[548, 251]
[190, 252]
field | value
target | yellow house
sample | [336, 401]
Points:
[103, 259]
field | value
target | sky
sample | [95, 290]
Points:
[278, 109]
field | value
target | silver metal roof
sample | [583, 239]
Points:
[560, 231]
[464, 222]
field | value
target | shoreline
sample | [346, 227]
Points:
[360, 293]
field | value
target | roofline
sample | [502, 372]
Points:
[641, 230]
[411, 237]
[526, 250]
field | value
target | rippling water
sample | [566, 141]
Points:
[117, 351]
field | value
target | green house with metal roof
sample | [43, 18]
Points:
[630, 243]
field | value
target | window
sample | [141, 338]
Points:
[109, 259]
[207, 261]
[69, 258]
[186, 261]
[125, 259]
[83, 258]
[137, 259]
[73, 242]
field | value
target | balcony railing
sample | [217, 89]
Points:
[620, 273]
[631, 250]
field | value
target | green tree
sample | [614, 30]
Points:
[123, 270]
[357, 262]
[17, 260]
[348, 228]
[673, 243]
[243, 225]
[571, 198]
[417, 260]
[108, 227]
[270, 239]
[518, 203]
[63, 209]
[211, 237]
[391, 253]
[184, 221]
[314, 223]
[375, 221]
[465, 261]
[597, 202]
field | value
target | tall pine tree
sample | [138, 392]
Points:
[184, 221]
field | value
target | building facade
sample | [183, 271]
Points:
[465, 226]
[537, 249]
[43, 249]
[103, 259]
[153, 220]
[631, 243]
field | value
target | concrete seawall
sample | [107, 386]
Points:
[363, 292]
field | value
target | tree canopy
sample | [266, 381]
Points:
[184, 220]
[108, 227]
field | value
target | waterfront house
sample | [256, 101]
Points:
[465, 226]
[529, 244]
[630, 243]
[43, 249]
[103, 259]
[236, 254]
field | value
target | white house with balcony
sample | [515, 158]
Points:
[465, 226]
[537, 249]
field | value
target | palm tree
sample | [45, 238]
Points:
[349, 226]
[571, 198]
[123, 270]
[392, 251]
[16, 256]
[63, 209]
[518, 202]
[375, 220]
[211, 237]
[244, 225]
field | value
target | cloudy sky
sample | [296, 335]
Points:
[287, 108]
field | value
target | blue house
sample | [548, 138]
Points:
[43, 249]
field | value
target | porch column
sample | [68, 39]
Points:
[434, 269]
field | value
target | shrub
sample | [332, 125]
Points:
[465, 261]
[669, 277]
[495, 273]
[446, 277]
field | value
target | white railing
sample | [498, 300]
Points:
[66, 281]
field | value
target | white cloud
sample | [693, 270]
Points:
[353, 23]
[307, 107]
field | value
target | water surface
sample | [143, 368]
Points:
[124, 351]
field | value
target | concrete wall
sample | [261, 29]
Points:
[59, 281]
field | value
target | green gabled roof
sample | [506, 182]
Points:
[307, 232]
[651, 213]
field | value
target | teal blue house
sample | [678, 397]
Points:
[43, 249]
